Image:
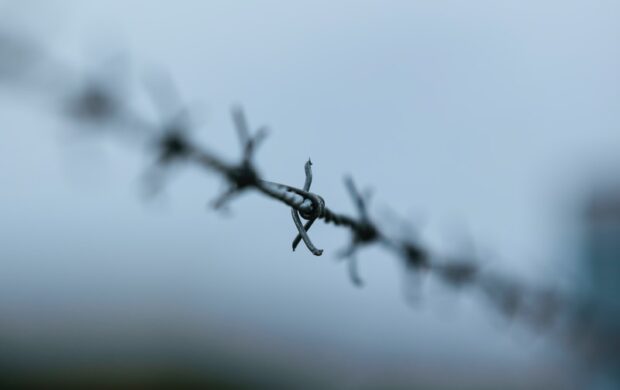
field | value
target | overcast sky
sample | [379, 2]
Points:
[478, 118]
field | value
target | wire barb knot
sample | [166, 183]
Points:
[243, 175]
[311, 214]
[173, 145]
[364, 230]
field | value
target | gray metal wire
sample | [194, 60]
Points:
[97, 103]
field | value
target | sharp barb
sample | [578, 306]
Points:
[163, 93]
[348, 252]
[221, 201]
[241, 125]
[304, 235]
[260, 136]
[307, 227]
[154, 182]
[354, 272]
[355, 195]
[308, 170]
[367, 195]
[253, 143]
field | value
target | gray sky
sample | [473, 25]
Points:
[477, 116]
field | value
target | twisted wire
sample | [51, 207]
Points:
[98, 104]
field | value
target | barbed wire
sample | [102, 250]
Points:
[101, 102]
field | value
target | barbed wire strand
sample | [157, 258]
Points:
[96, 103]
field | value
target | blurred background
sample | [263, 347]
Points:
[491, 127]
